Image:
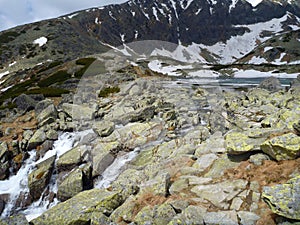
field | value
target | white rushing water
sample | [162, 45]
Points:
[113, 171]
[18, 183]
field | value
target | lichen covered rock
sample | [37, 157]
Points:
[82, 208]
[283, 199]
[284, 147]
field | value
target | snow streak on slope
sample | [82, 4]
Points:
[238, 46]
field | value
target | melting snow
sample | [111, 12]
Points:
[40, 41]
[188, 3]
[238, 46]
[5, 89]
[198, 11]
[233, 4]
[73, 15]
[11, 64]
[97, 21]
[155, 13]
[111, 15]
[3, 74]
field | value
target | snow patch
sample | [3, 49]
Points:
[133, 13]
[11, 64]
[136, 34]
[257, 60]
[259, 74]
[294, 27]
[97, 21]
[238, 46]
[233, 4]
[254, 3]
[198, 11]
[267, 48]
[40, 41]
[111, 15]
[3, 74]
[187, 4]
[73, 15]
[122, 37]
[5, 89]
[155, 13]
[174, 7]
[170, 70]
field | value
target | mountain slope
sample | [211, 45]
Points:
[207, 23]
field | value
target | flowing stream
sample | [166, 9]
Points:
[18, 184]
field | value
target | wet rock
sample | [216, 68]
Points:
[71, 159]
[283, 199]
[104, 128]
[221, 218]
[82, 208]
[284, 147]
[220, 194]
[4, 170]
[24, 102]
[39, 178]
[103, 157]
[38, 138]
[52, 135]
[271, 84]
[46, 146]
[75, 182]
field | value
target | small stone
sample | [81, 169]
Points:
[258, 159]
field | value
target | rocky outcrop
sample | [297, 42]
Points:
[39, 178]
[88, 207]
[283, 198]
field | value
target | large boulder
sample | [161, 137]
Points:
[71, 159]
[75, 182]
[24, 102]
[284, 147]
[37, 139]
[79, 112]
[39, 178]
[47, 113]
[84, 208]
[283, 199]
[104, 128]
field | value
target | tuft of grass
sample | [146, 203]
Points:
[107, 91]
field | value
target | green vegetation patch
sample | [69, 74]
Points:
[57, 77]
[48, 91]
[85, 62]
[109, 90]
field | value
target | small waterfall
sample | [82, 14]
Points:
[113, 171]
[19, 183]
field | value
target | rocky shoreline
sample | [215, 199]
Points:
[203, 156]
